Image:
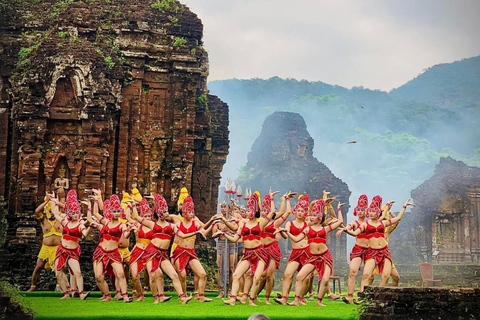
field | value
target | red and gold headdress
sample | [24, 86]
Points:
[160, 204]
[115, 204]
[362, 203]
[318, 208]
[144, 207]
[303, 201]
[376, 204]
[107, 210]
[253, 204]
[71, 203]
[267, 201]
[187, 205]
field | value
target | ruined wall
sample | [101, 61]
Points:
[282, 159]
[446, 218]
[420, 303]
[114, 93]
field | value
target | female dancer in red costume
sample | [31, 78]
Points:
[68, 252]
[137, 260]
[300, 250]
[255, 257]
[106, 257]
[270, 239]
[359, 251]
[155, 255]
[321, 259]
[378, 254]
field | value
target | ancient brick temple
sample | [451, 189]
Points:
[282, 159]
[444, 226]
[105, 94]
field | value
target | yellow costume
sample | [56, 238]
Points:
[47, 253]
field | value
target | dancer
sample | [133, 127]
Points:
[359, 251]
[321, 259]
[155, 255]
[270, 239]
[52, 235]
[144, 237]
[107, 258]
[300, 250]
[184, 254]
[68, 252]
[378, 254]
[256, 257]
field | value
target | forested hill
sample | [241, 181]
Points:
[449, 84]
[399, 136]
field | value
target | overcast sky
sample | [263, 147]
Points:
[377, 44]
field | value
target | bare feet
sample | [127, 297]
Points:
[84, 296]
[242, 299]
[220, 295]
[127, 299]
[303, 301]
[65, 297]
[347, 300]
[320, 304]
[165, 298]
[106, 298]
[280, 300]
[252, 303]
[295, 302]
[334, 297]
[140, 298]
[267, 302]
[230, 302]
[32, 288]
[311, 297]
[185, 299]
[204, 299]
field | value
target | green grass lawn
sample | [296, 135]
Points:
[47, 305]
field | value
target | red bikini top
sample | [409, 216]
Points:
[362, 235]
[375, 232]
[165, 233]
[251, 233]
[192, 228]
[268, 231]
[102, 233]
[296, 231]
[142, 235]
[73, 234]
[317, 236]
[113, 234]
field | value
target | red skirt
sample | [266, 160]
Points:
[253, 256]
[184, 256]
[358, 252]
[320, 261]
[301, 256]
[154, 254]
[379, 255]
[137, 256]
[63, 255]
[274, 252]
[107, 258]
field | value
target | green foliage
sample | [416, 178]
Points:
[163, 5]
[62, 34]
[59, 7]
[109, 62]
[16, 297]
[173, 19]
[202, 99]
[193, 51]
[179, 41]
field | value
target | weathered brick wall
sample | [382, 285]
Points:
[420, 303]
[114, 91]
